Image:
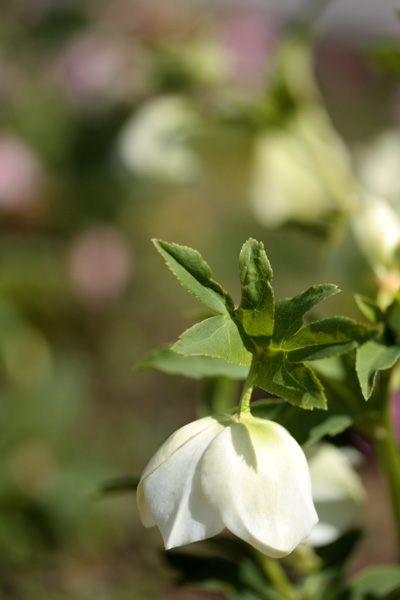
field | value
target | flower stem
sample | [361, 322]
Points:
[388, 455]
[277, 576]
[244, 404]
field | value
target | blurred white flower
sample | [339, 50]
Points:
[301, 172]
[376, 227]
[379, 166]
[337, 492]
[155, 141]
[249, 476]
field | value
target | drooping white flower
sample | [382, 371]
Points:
[249, 476]
[337, 492]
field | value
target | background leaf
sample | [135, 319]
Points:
[375, 583]
[256, 310]
[241, 579]
[369, 308]
[168, 361]
[195, 276]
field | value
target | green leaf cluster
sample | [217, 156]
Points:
[267, 335]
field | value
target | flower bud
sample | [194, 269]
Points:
[249, 476]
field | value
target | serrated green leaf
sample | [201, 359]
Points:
[376, 583]
[371, 358]
[289, 312]
[166, 360]
[194, 274]
[369, 308]
[326, 338]
[219, 337]
[256, 310]
[294, 382]
[306, 427]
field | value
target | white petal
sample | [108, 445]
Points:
[169, 492]
[263, 493]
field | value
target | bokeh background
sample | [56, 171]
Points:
[198, 122]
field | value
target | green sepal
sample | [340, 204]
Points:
[369, 308]
[289, 312]
[166, 360]
[307, 428]
[294, 382]
[195, 276]
[371, 358]
[256, 310]
[219, 337]
[326, 338]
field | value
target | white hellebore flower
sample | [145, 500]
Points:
[338, 492]
[249, 476]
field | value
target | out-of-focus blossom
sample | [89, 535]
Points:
[376, 228]
[21, 175]
[247, 475]
[95, 67]
[155, 141]
[249, 40]
[301, 172]
[395, 413]
[337, 492]
[99, 264]
[379, 167]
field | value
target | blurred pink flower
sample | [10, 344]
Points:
[249, 40]
[20, 174]
[395, 412]
[94, 67]
[99, 264]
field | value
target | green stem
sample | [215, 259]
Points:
[388, 455]
[244, 403]
[276, 574]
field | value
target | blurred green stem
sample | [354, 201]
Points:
[277, 576]
[388, 455]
